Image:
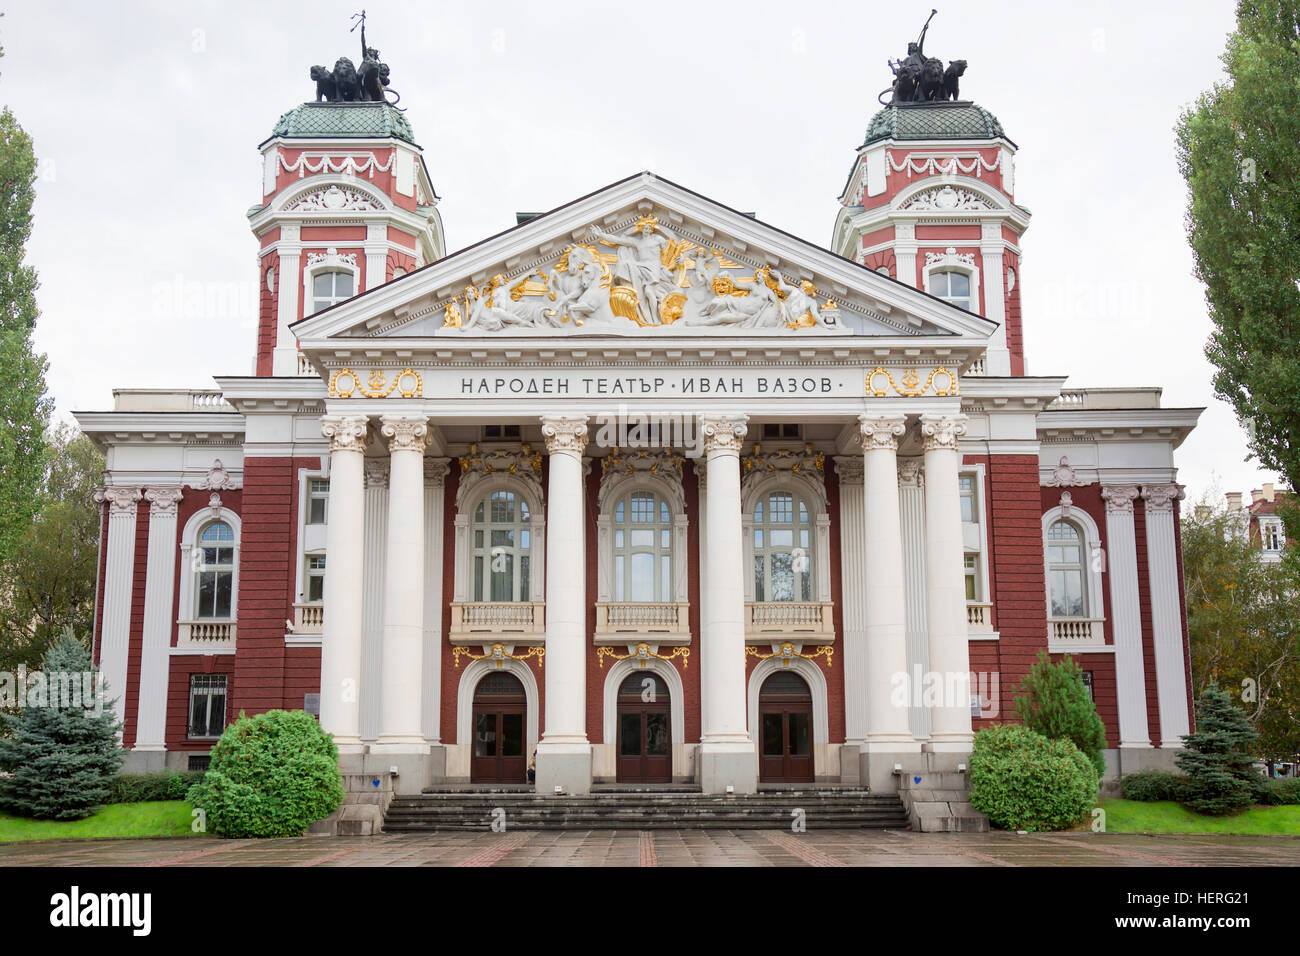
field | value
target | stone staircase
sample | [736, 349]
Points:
[939, 802]
[666, 808]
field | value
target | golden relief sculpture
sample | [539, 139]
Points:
[942, 380]
[498, 656]
[642, 655]
[787, 653]
[407, 383]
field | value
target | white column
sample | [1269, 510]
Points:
[853, 552]
[376, 250]
[435, 476]
[727, 754]
[374, 554]
[119, 573]
[1166, 616]
[288, 273]
[945, 582]
[911, 491]
[402, 667]
[1126, 615]
[340, 659]
[159, 615]
[997, 360]
[905, 247]
[564, 753]
[886, 616]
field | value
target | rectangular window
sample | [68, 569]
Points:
[315, 578]
[207, 705]
[318, 490]
[781, 431]
[972, 577]
[969, 513]
[501, 433]
[1087, 683]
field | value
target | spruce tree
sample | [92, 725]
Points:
[61, 751]
[1055, 703]
[1218, 757]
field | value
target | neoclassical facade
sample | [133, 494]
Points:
[643, 489]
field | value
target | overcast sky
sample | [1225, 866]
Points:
[146, 119]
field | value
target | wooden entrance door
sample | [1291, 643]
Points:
[500, 715]
[785, 729]
[644, 730]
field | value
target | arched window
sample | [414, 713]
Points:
[500, 548]
[1067, 587]
[329, 288]
[643, 549]
[952, 286]
[783, 556]
[215, 571]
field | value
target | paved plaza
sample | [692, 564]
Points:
[673, 848]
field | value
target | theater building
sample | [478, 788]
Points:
[643, 484]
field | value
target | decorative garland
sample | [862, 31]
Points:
[498, 655]
[302, 165]
[787, 653]
[643, 655]
[935, 164]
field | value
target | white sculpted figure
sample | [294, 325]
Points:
[760, 309]
[576, 290]
[799, 307]
[495, 309]
[707, 269]
[641, 265]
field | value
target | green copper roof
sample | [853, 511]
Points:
[945, 120]
[328, 120]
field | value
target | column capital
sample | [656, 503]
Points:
[878, 431]
[435, 472]
[565, 433]
[723, 432]
[405, 432]
[1162, 497]
[163, 501]
[345, 432]
[910, 471]
[121, 500]
[942, 431]
[849, 469]
[1119, 498]
[376, 473]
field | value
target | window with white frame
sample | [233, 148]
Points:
[215, 571]
[330, 288]
[318, 494]
[1271, 534]
[315, 578]
[952, 286]
[500, 548]
[643, 549]
[969, 507]
[973, 577]
[783, 560]
[207, 705]
[1066, 556]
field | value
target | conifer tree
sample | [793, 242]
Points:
[1218, 757]
[1055, 703]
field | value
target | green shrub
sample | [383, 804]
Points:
[1281, 792]
[1217, 758]
[271, 775]
[1055, 703]
[1151, 786]
[146, 787]
[60, 755]
[1025, 781]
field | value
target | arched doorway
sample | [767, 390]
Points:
[785, 721]
[500, 708]
[644, 731]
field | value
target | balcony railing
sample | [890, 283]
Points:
[979, 618]
[524, 618]
[810, 620]
[1081, 631]
[308, 618]
[206, 635]
[630, 617]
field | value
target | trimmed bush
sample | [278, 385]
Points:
[1218, 757]
[1025, 781]
[1281, 792]
[148, 787]
[271, 775]
[1054, 702]
[1151, 786]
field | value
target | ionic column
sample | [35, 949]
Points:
[1126, 615]
[911, 491]
[374, 557]
[1166, 616]
[564, 753]
[886, 618]
[727, 755]
[402, 664]
[435, 476]
[340, 664]
[853, 553]
[945, 608]
[119, 573]
[159, 601]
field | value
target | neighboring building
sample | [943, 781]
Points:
[643, 482]
[1262, 520]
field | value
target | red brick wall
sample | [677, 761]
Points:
[178, 696]
[268, 313]
[1015, 329]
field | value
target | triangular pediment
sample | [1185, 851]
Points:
[646, 259]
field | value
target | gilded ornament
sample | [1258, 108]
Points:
[943, 381]
[498, 655]
[787, 654]
[643, 654]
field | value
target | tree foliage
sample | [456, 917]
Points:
[1239, 151]
[1054, 702]
[1243, 618]
[47, 582]
[1218, 757]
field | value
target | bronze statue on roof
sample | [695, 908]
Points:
[348, 83]
[922, 79]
